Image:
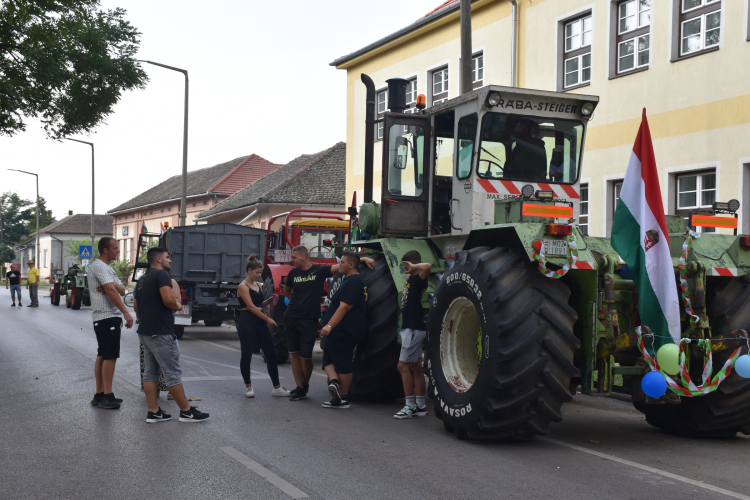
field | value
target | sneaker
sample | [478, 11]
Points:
[157, 416]
[406, 412]
[342, 404]
[249, 392]
[297, 394]
[108, 402]
[280, 392]
[193, 415]
[30, 305]
[116, 400]
[333, 390]
[97, 398]
[421, 411]
[13, 304]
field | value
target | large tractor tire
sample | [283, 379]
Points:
[69, 297]
[500, 347]
[87, 300]
[726, 411]
[55, 295]
[375, 376]
[276, 313]
[77, 298]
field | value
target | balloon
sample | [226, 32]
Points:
[668, 357]
[742, 366]
[654, 385]
[286, 301]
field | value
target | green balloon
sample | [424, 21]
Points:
[668, 357]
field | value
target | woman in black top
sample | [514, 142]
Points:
[252, 328]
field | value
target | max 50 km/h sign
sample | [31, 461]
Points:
[85, 251]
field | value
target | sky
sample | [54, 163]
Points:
[260, 82]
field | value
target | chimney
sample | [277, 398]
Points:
[70, 212]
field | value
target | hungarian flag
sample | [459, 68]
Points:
[639, 235]
[144, 229]
[162, 227]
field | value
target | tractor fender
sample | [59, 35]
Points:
[277, 272]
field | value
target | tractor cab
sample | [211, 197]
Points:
[480, 158]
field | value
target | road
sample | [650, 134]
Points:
[58, 446]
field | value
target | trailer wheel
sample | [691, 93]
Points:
[276, 313]
[500, 347]
[77, 298]
[726, 411]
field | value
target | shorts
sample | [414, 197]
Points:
[108, 337]
[301, 335]
[339, 352]
[15, 289]
[411, 345]
[161, 355]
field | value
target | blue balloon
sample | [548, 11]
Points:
[742, 366]
[286, 301]
[654, 385]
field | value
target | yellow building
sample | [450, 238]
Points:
[682, 60]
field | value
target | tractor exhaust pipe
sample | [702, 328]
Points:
[369, 135]
[466, 84]
[397, 95]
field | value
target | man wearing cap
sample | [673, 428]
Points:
[32, 284]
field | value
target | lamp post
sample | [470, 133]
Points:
[36, 260]
[92, 189]
[183, 197]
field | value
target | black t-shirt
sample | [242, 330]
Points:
[353, 291]
[156, 318]
[412, 314]
[14, 277]
[307, 288]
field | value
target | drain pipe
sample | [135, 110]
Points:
[248, 216]
[514, 36]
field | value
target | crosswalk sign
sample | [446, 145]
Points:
[85, 251]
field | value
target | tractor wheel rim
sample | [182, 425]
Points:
[458, 344]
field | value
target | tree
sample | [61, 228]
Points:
[45, 216]
[71, 249]
[15, 212]
[123, 269]
[65, 62]
[6, 253]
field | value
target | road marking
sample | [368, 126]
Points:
[223, 346]
[265, 473]
[235, 367]
[677, 477]
[212, 378]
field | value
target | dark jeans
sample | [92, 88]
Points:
[33, 293]
[254, 331]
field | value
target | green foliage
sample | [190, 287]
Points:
[65, 62]
[152, 243]
[45, 216]
[6, 253]
[15, 213]
[71, 249]
[123, 269]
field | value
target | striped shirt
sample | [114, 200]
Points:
[100, 273]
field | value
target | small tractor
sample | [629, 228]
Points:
[58, 276]
[72, 285]
[323, 232]
[479, 184]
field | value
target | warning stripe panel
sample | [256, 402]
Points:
[570, 191]
[487, 185]
[582, 264]
[724, 271]
[547, 187]
[511, 187]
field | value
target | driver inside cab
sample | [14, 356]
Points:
[527, 157]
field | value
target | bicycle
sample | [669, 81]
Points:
[128, 299]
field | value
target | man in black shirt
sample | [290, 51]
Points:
[304, 289]
[156, 303]
[14, 277]
[346, 325]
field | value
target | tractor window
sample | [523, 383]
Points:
[406, 160]
[467, 133]
[529, 148]
[320, 243]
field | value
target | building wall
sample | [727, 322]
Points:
[265, 212]
[698, 107]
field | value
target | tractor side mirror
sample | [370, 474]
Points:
[272, 239]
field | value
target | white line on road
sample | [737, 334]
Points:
[649, 469]
[269, 476]
[212, 378]
[235, 367]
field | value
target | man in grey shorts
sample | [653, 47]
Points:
[156, 303]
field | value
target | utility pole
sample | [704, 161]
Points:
[36, 259]
[92, 189]
[466, 83]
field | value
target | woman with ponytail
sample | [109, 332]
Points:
[252, 328]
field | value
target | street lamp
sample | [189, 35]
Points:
[92, 189]
[183, 197]
[36, 260]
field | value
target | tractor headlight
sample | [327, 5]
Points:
[587, 109]
[545, 195]
[527, 191]
[734, 205]
[493, 99]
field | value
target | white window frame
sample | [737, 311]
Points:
[584, 203]
[698, 195]
[435, 103]
[702, 32]
[477, 65]
[581, 21]
[580, 81]
[408, 111]
[702, 4]
[638, 13]
[636, 53]
[379, 126]
[413, 85]
[444, 82]
[384, 93]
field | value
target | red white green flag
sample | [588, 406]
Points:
[640, 236]
[144, 229]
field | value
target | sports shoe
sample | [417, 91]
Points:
[157, 416]
[193, 415]
[344, 403]
[98, 397]
[280, 392]
[108, 402]
[298, 393]
[333, 390]
[406, 412]
[421, 411]
[249, 392]
[13, 304]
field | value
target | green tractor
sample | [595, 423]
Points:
[478, 184]
[74, 286]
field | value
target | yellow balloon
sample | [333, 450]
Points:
[668, 357]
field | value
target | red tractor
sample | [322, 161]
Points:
[323, 232]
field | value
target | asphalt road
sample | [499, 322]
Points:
[57, 446]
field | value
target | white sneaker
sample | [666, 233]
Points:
[280, 392]
[249, 392]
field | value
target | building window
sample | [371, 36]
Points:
[633, 14]
[576, 55]
[632, 42]
[696, 27]
[125, 228]
[477, 70]
[382, 107]
[583, 206]
[633, 53]
[411, 92]
[44, 261]
[696, 191]
[616, 198]
[382, 101]
[439, 85]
